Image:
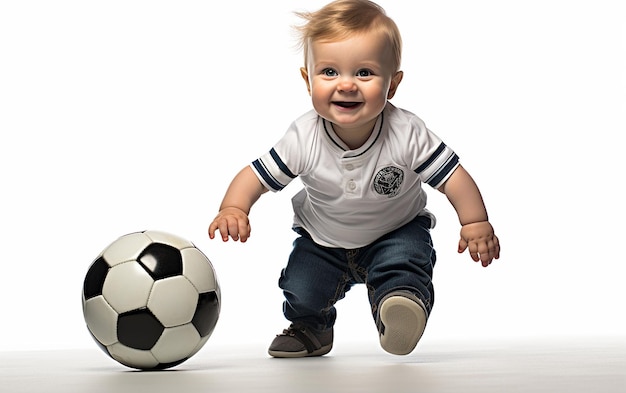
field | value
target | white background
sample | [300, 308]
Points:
[120, 116]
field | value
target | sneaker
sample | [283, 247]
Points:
[299, 341]
[402, 322]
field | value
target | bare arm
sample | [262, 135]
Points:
[477, 234]
[232, 219]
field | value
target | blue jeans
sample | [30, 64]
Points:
[316, 277]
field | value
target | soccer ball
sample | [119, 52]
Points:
[151, 300]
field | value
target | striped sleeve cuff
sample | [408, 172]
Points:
[439, 166]
[272, 171]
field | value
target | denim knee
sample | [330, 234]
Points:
[403, 260]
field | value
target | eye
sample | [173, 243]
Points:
[329, 72]
[364, 73]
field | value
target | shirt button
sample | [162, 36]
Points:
[351, 185]
[349, 167]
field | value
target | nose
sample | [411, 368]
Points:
[346, 85]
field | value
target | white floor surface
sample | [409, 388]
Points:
[596, 365]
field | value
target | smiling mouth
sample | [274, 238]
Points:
[347, 104]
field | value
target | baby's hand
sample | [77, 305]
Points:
[480, 240]
[231, 221]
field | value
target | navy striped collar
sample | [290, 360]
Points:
[371, 141]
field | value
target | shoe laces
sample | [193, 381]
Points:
[292, 329]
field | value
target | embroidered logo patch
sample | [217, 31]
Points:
[388, 181]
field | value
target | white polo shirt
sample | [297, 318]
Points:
[353, 197]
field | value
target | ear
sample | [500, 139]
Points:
[305, 76]
[395, 81]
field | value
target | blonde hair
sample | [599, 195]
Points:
[340, 19]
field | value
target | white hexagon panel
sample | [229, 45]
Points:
[173, 301]
[127, 287]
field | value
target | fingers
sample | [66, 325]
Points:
[235, 227]
[483, 251]
[495, 247]
[474, 250]
[488, 251]
[462, 245]
[212, 229]
[243, 230]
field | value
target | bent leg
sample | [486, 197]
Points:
[314, 280]
[399, 279]
[402, 260]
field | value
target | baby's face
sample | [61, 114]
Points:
[350, 81]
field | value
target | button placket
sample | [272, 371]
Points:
[351, 177]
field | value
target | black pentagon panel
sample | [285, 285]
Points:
[139, 329]
[161, 261]
[94, 279]
[207, 313]
[163, 366]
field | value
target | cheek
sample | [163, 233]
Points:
[377, 92]
[320, 101]
[319, 91]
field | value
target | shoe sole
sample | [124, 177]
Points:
[404, 321]
[301, 354]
